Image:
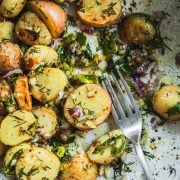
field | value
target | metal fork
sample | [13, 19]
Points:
[127, 115]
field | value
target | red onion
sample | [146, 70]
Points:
[55, 43]
[156, 121]
[140, 69]
[76, 112]
[15, 71]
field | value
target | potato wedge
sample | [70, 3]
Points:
[166, 102]
[11, 8]
[51, 14]
[46, 85]
[31, 30]
[17, 128]
[88, 106]
[99, 13]
[79, 168]
[6, 30]
[21, 93]
[37, 164]
[46, 121]
[108, 147]
[10, 57]
[40, 55]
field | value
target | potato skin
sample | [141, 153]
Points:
[31, 30]
[10, 57]
[100, 15]
[166, 98]
[79, 168]
[40, 55]
[51, 14]
[11, 8]
[137, 28]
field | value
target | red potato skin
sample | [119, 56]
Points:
[51, 14]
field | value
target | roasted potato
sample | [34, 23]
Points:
[46, 121]
[6, 31]
[22, 94]
[11, 8]
[79, 168]
[10, 57]
[46, 85]
[51, 14]
[166, 102]
[88, 106]
[17, 128]
[42, 164]
[31, 30]
[137, 28]
[108, 147]
[40, 55]
[99, 13]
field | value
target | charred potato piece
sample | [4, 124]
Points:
[166, 102]
[51, 14]
[21, 93]
[10, 57]
[99, 13]
[137, 28]
[31, 30]
[11, 8]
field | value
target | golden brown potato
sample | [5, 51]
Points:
[79, 168]
[6, 30]
[166, 102]
[10, 57]
[40, 55]
[87, 106]
[11, 8]
[31, 30]
[99, 13]
[51, 14]
[21, 93]
[137, 28]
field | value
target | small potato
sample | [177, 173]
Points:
[42, 164]
[137, 28]
[11, 8]
[99, 13]
[107, 148]
[21, 93]
[51, 14]
[166, 102]
[31, 30]
[40, 55]
[79, 168]
[87, 106]
[46, 85]
[10, 57]
[6, 31]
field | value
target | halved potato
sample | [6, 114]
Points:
[79, 168]
[6, 30]
[51, 14]
[22, 94]
[10, 57]
[166, 102]
[37, 164]
[108, 147]
[46, 121]
[17, 128]
[46, 85]
[99, 13]
[31, 30]
[88, 106]
[11, 8]
[40, 55]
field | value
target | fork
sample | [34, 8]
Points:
[126, 114]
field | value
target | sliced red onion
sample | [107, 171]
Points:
[55, 43]
[85, 28]
[156, 121]
[15, 71]
[140, 69]
[76, 112]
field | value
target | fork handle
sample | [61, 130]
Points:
[143, 161]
